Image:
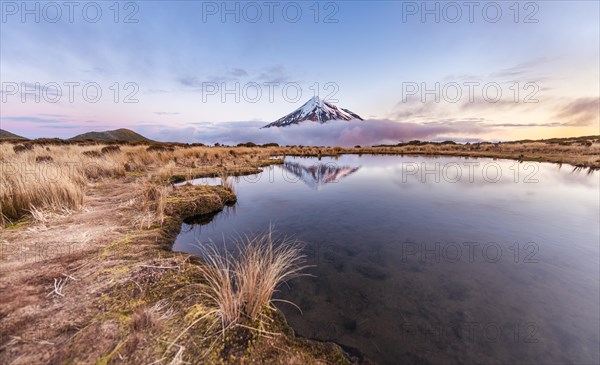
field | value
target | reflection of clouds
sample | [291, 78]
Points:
[319, 174]
[488, 172]
[569, 175]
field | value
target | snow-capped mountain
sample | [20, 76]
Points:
[319, 174]
[315, 110]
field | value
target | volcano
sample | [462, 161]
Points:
[314, 110]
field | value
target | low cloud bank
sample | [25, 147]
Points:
[335, 133]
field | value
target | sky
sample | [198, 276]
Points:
[193, 71]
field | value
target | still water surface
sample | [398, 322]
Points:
[422, 260]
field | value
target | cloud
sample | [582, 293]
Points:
[580, 112]
[238, 72]
[32, 119]
[100, 71]
[166, 113]
[68, 126]
[195, 82]
[520, 69]
[412, 109]
[60, 117]
[274, 74]
[480, 104]
[157, 91]
[189, 81]
[342, 133]
[551, 124]
[200, 86]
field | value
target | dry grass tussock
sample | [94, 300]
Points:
[239, 286]
[149, 206]
[227, 182]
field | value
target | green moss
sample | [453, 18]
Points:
[104, 360]
[114, 271]
[116, 246]
[18, 224]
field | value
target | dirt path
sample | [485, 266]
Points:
[36, 321]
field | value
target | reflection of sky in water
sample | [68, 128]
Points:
[359, 232]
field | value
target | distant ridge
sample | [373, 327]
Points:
[7, 135]
[119, 135]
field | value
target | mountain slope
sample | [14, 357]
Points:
[315, 110]
[121, 135]
[7, 135]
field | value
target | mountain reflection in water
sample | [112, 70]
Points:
[319, 174]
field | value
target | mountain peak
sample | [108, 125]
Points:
[315, 110]
[316, 100]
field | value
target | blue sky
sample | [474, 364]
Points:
[367, 56]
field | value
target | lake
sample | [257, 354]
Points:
[431, 260]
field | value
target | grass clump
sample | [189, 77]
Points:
[239, 287]
[150, 205]
[227, 182]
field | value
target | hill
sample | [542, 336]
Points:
[7, 135]
[119, 135]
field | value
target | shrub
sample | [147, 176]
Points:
[20, 148]
[110, 149]
[159, 148]
[41, 159]
[92, 154]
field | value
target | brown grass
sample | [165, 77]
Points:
[227, 182]
[42, 177]
[239, 288]
[27, 185]
[149, 205]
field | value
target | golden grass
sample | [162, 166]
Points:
[48, 178]
[262, 266]
[27, 185]
[239, 287]
[149, 206]
[38, 177]
[227, 182]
